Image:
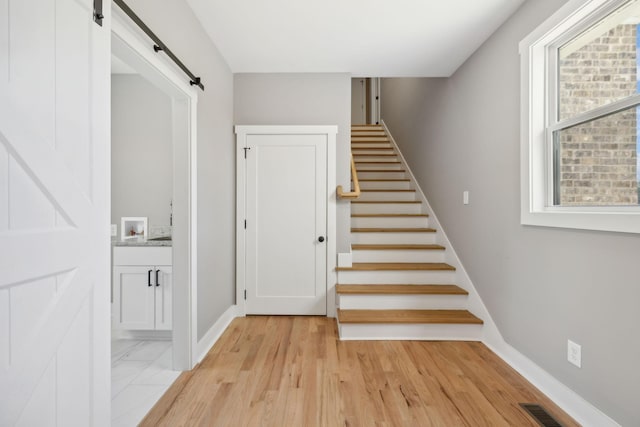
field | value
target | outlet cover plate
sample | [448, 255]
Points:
[574, 353]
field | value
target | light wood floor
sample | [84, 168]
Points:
[293, 371]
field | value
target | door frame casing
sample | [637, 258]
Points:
[130, 42]
[242, 131]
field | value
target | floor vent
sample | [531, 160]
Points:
[540, 415]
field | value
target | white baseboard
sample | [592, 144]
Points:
[570, 401]
[214, 333]
[128, 334]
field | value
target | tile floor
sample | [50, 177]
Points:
[140, 374]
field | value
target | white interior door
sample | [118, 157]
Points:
[286, 205]
[54, 205]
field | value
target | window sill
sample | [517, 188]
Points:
[585, 219]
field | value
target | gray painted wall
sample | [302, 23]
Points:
[542, 286]
[302, 99]
[141, 151]
[178, 27]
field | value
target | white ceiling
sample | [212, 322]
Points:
[376, 38]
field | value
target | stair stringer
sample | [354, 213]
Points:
[568, 400]
[489, 332]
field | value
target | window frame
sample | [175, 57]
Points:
[538, 63]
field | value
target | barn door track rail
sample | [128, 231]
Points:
[158, 45]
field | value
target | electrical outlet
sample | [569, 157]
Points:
[574, 353]
[465, 197]
[114, 230]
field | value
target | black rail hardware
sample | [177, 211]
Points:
[158, 45]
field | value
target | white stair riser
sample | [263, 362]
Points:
[364, 138]
[364, 255]
[402, 302]
[381, 175]
[362, 167]
[364, 151]
[390, 222]
[368, 132]
[387, 196]
[423, 332]
[360, 145]
[386, 238]
[409, 277]
[385, 185]
[386, 208]
[370, 158]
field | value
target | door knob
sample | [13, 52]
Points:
[321, 239]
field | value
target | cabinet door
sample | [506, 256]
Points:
[163, 287]
[133, 297]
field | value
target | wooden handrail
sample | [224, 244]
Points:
[356, 185]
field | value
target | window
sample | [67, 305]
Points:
[581, 118]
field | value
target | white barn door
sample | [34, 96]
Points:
[54, 206]
[286, 208]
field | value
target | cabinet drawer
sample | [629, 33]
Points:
[150, 255]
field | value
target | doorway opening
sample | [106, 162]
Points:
[172, 280]
[365, 101]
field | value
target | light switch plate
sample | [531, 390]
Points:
[114, 230]
[574, 353]
[465, 197]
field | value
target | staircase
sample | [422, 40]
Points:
[399, 285]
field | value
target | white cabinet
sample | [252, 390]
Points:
[142, 288]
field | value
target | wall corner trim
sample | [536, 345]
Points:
[345, 259]
[214, 333]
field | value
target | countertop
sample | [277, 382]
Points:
[138, 241]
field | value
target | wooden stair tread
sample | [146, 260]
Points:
[386, 190]
[380, 170]
[386, 201]
[408, 316]
[392, 230]
[398, 266]
[391, 215]
[373, 162]
[373, 148]
[385, 247]
[385, 180]
[367, 140]
[400, 290]
[374, 155]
